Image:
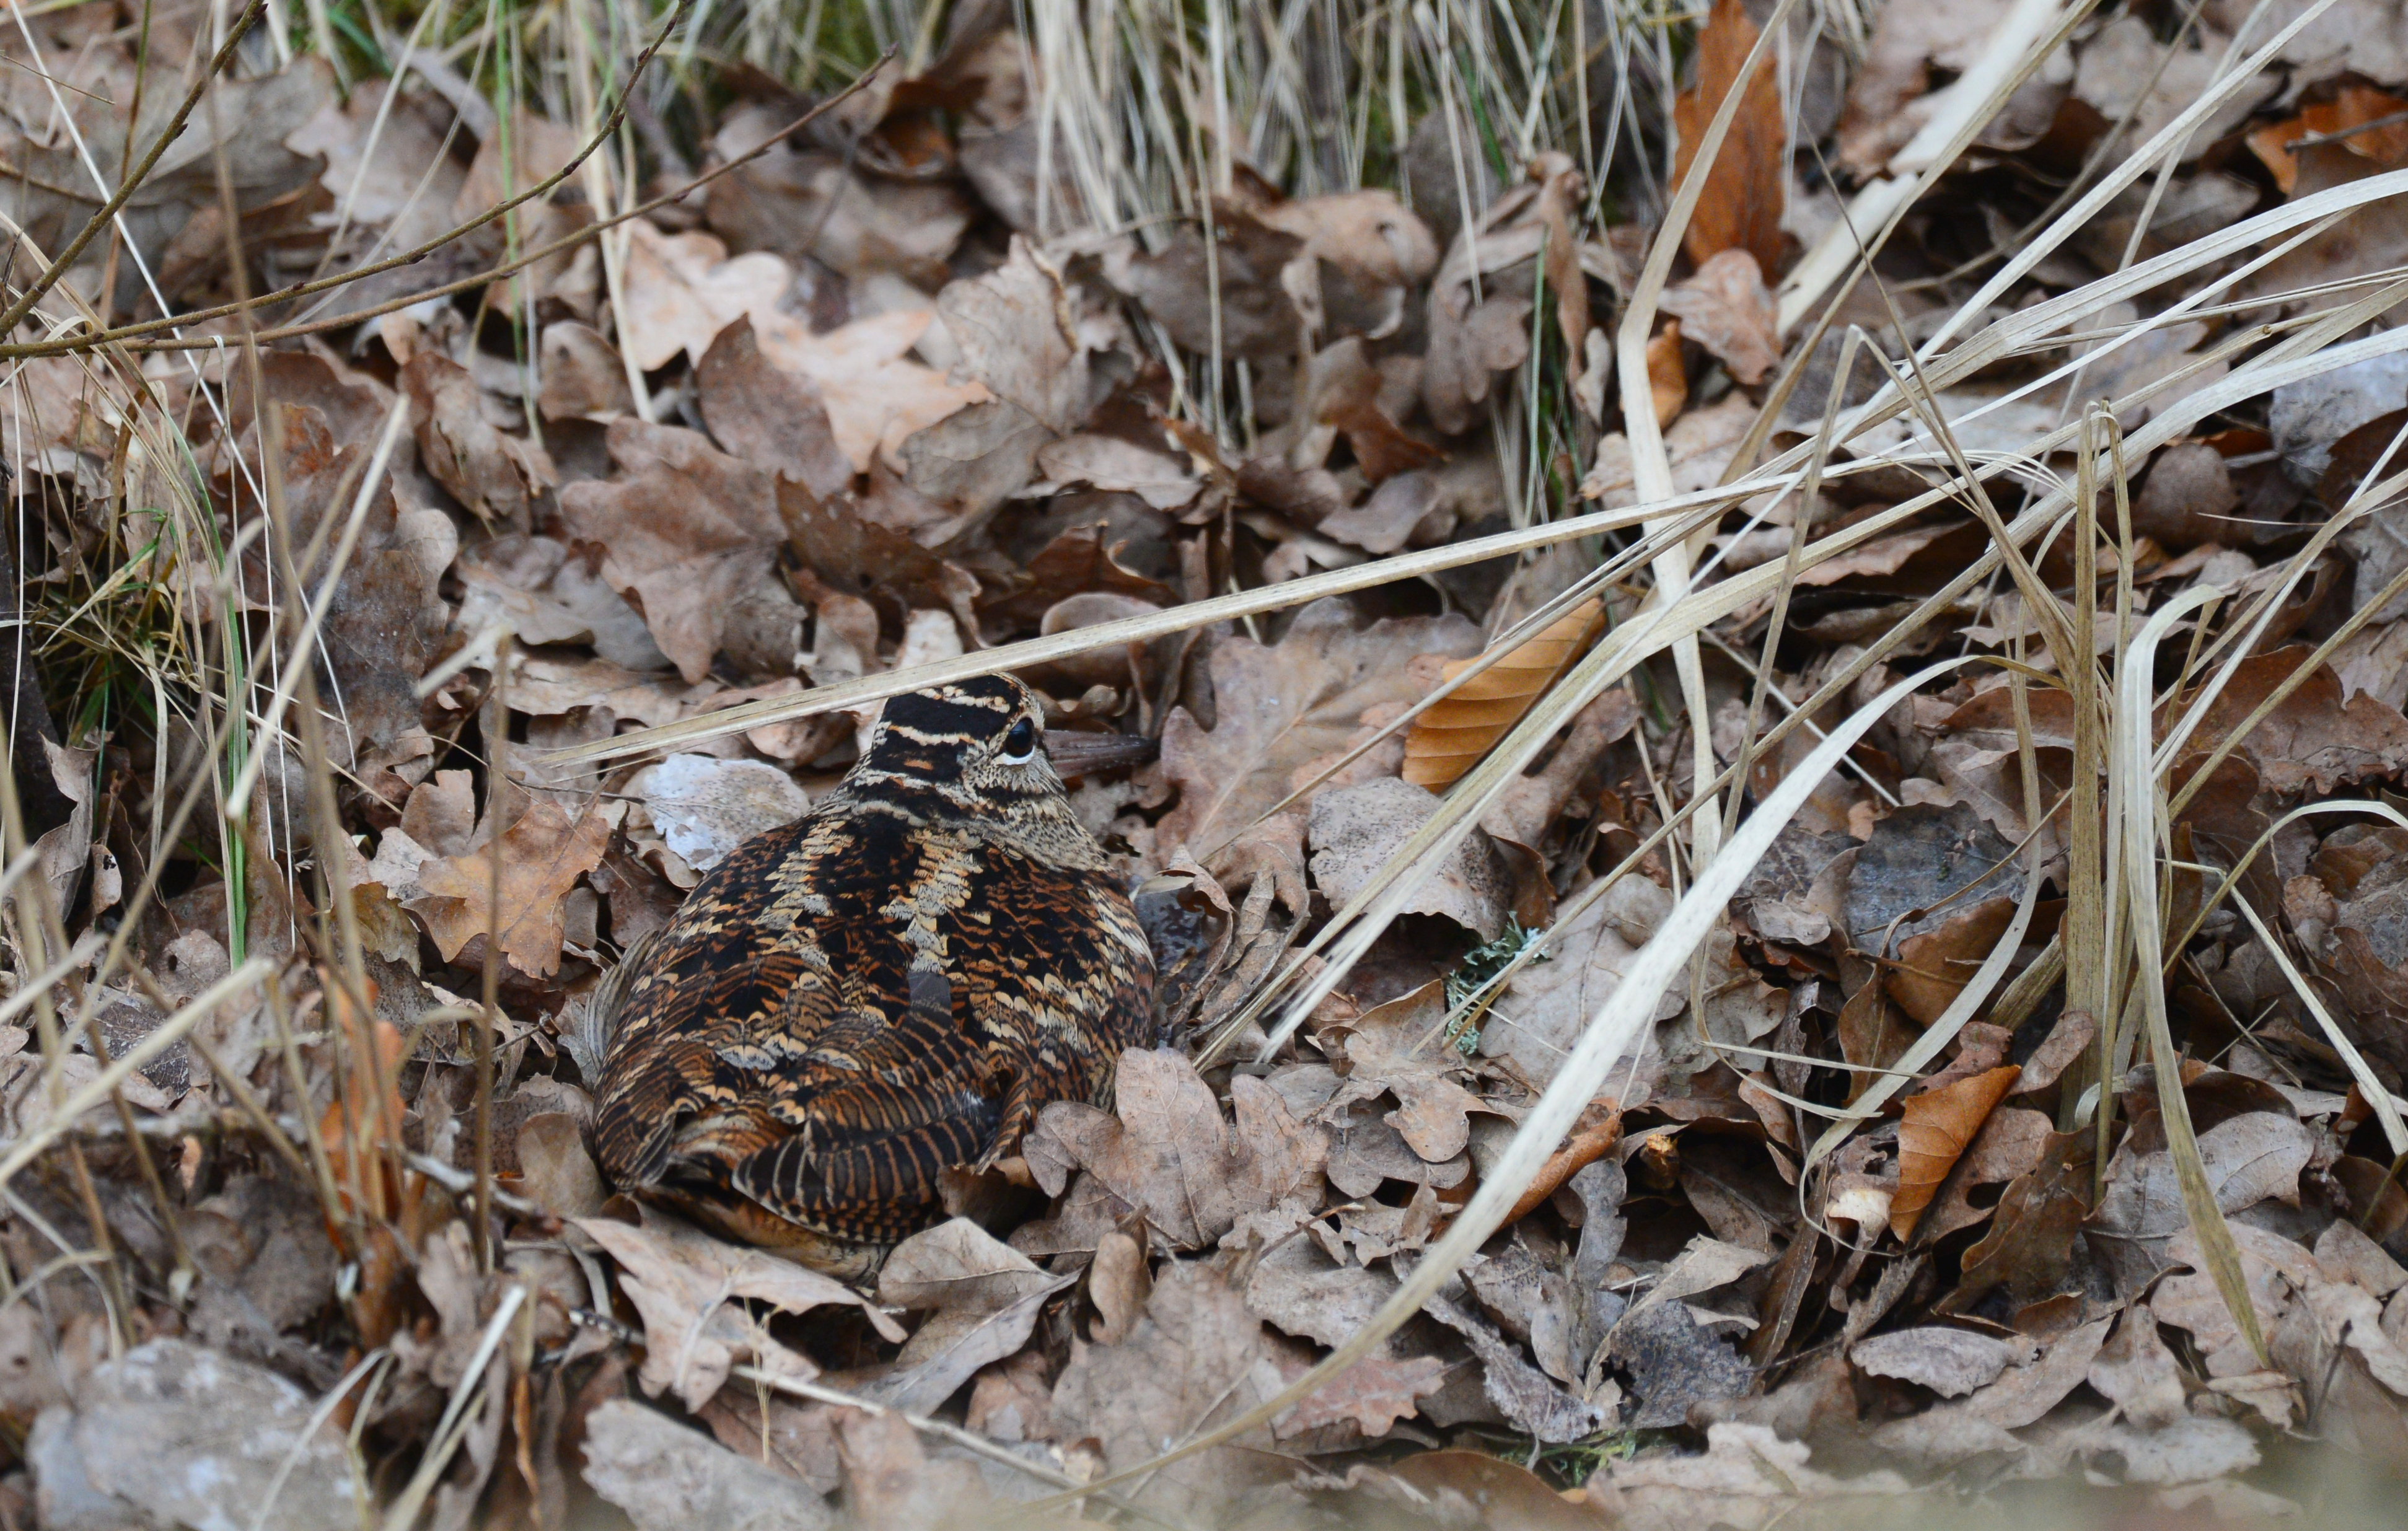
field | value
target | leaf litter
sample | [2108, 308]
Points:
[518, 557]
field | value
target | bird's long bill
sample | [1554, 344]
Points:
[1076, 754]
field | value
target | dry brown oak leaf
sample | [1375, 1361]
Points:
[1277, 709]
[543, 856]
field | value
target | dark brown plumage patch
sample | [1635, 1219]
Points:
[891, 986]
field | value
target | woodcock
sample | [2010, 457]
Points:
[891, 986]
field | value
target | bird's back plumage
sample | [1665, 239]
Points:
[890, 987]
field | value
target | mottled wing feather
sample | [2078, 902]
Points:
[782, 1069]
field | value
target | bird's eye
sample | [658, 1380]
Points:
[1020, 745]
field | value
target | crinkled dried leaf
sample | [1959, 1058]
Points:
[543, 856]
[668, 1476]
[1196, 1356]
[1372, 1395]
[1950, 1362]
[1532, 1403]
[1746, 1477]
[1727, 308]
[686, 530]
[2248, 1158]
[172, 1434]
[767, 416]
[1278, 708]
[1017, 328]
[957, 1264]
[1356, 829]
[704, 808]
[1169, 1152]
[493, 473]
[683, 1282]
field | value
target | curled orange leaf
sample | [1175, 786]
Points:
[1938, 1125]
[1450, 738]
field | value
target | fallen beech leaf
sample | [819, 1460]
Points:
[856, 556]
[1700, 444]
[2358, 104]
[1118, 1283]
[801, 194]
[543, 856]
[1668, 378]
[1747, 185]
[1107, 462]
[1300, 1291]
[1932, 1136]
[1449, 738]
[2125, 68]
[2020, 1398]
[1934, 965]
[1230, 294]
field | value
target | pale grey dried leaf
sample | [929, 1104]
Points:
[704, 807]
[1950, 1362]
[2137, 1373]
[957, 1264]
[1356, 829]
[2248, 1158]
[1673, 1364]
[665, 1477]
[171, 1434]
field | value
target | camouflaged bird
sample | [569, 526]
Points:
[889, 987]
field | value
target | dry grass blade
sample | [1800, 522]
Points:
[2134, 801]
[1449, 738]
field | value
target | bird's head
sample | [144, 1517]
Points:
[980, 748]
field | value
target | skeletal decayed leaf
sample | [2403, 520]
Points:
[1449, 738]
